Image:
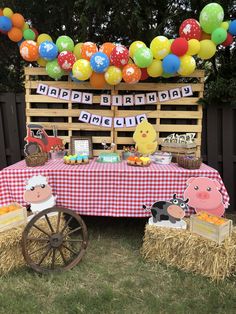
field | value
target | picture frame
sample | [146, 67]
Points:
[81, 145]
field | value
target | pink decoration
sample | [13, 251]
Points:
[204, 195]
[66, 59]
[119, 56]
[179, 47]
[190, 29]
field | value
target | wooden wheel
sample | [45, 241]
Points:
[54, 240]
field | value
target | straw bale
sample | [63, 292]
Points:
[190, 252]
[11, 256]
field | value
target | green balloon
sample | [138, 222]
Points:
[54, 70]
[143, 57]
[211, 17]
[219, 35]
[65, 43]
[29, 34]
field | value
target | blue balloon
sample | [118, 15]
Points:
[48, 50]
[232, 28]
[99, 62]
[20, 42]
[171, 64]
[5, 23]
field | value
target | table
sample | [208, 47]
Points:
[98, 189]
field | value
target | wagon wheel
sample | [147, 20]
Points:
[54, 240]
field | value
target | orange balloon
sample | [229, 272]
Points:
[1, 12]
[107, 48]
[29, 50]
[18, 20]
[88, 49]
[15, 34]
[205, 36]
[131, 73]
[97, 80]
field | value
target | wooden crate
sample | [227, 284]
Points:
[13, 219]
[180, 115]
[209, 230]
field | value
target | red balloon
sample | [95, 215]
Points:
[119, 56]
[228, 40]
[66, 59]
[144, 74]
[36, 32]
[190, 29]
[179, 46]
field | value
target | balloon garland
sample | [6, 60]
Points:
[113, 62]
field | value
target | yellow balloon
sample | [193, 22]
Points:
[113, 75]
[187, 65]
[7, 12]
[82, 70]
[134, 46]
[224, 25]
[155, 69]
[77, 50]
[42, 62]
[193, 47]
[43, 37]
[26, 26]
[207, 49]
[160, 47]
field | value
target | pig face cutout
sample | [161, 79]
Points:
[203, 194]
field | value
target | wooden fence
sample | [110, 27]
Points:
[218, 140]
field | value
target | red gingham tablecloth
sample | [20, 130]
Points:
[104, 189]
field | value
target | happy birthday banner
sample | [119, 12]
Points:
[108, 122]
[115, 100]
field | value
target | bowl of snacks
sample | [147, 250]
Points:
[162, 158]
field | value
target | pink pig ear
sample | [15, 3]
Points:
[190, 180]
[217, 184]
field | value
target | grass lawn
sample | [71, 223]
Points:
[113, 278]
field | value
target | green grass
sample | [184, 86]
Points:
[113, 278]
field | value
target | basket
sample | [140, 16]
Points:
[35, 160]
[189, 162]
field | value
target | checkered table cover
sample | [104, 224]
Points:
[104, 189]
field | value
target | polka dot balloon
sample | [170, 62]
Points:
[119, 56]
[190, 29]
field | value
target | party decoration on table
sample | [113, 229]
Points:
[204, 195]
[145, 138]
[187, 139]
[36, 159]
[162, 158]
[108, 158]
[38, 194]
[138, 161]
[189, 162]
[164, 57]
[108, 147]
[76, 159]
[210, 226]
[38, 140]
[128, 151]
[169, 213]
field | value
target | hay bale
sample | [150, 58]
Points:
[11, 256]
[190, 252]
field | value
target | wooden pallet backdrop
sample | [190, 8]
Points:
[173, 116]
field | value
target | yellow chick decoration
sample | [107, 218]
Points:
[145, 138]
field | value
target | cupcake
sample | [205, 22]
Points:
[85, 159]
[138, 161]
[79, 159]
[73, 160]
[145, 160]
[131, 160]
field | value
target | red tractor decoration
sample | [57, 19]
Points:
[38, 140]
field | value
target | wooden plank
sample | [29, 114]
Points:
[46, 99]
[73, 126]
[196, 87]
[163, 114]
[66, 85]
[179, 128]
[64, 112]
[42, 71]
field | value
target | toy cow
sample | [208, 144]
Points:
[204, 195]
[174, 210]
